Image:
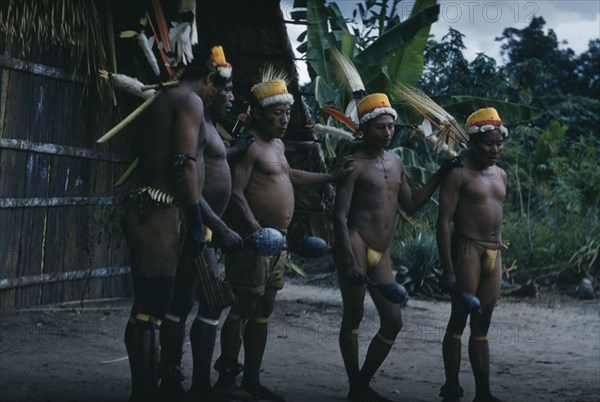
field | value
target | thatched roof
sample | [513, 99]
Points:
[80, 29]
[85, 33]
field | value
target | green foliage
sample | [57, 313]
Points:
[384, 49]
[317, 40]
[581, 114]
[548, 143]
[446, 70]
[548, 98]
[386, 54]
[584, 262]
[417, 263]
[372, 19]
[292, 267]
[542, 246]
[536, 61]
[588, 65]
[553, 199]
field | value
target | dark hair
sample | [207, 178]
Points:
[199, 67]
[220, 81]
[478, 136]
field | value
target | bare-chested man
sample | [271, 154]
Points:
[472, 198]
[364, 216]
[216, 191]
[171, 175]
[263, 196]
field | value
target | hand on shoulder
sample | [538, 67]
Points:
[343, 168]
[447, 166]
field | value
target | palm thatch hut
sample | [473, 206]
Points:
[58, 218]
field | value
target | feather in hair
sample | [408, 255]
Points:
[270, 73]
[347, 74]
[332, 131]
[181, 37]
[189, 7]
[352, 111]
[342, 118]
[147, 49]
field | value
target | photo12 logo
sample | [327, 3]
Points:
[488, 11]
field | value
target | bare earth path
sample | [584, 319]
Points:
[544, 350]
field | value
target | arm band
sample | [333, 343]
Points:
[178, 162]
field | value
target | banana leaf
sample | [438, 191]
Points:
[409, 157]
[337, 20]
[348, 45]
[397, 37]
[317, 38]
[406, 63]
[462, 106]
[325, 95]
[415, 169]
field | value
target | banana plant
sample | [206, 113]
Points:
[396, 54]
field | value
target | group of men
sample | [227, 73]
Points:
[174, 219]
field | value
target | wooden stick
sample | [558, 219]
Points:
[127, 173]
[132, 116]
[167, 84]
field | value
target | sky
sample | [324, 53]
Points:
[574, 21]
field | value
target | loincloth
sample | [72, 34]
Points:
[372, 255]
[484, 254]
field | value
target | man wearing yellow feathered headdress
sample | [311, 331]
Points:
[364, 215]
[263, 197]
[472, 198]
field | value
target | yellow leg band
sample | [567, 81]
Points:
[234, 316]
[259, 320]
[355, 331]
[453, 335]
[385, 340]
[172, 317]
[479, 338]
[148, 318]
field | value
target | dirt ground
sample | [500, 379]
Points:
[542, 350]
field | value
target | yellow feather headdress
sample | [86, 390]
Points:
[483, 120]
[363, 107]
[219, 63]
[272, 87]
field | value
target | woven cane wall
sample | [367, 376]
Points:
[59, 235]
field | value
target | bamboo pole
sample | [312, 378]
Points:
[132, 116]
